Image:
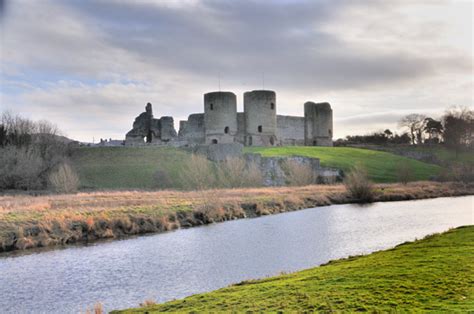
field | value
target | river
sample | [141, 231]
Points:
[121, 274]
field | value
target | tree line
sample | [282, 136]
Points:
[455, 129]
[33, 155]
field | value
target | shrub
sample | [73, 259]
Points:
[236, 172]
[460, 172]
[64, 179]
[147, 302]
[298, 174]
[405, 172]
[162, 179]
[21, 168]
[253, 175]
[358, 184]
[197, 174]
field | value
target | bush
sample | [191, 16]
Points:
[21, 168]
[460, 172]
[162, 180]
[197, 174]
[236, 172]
[64, 179]
[358, 184]
[298, 174]
[405, 172]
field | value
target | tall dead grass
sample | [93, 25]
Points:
[358, 185]
[298, 174]
[197, 174]
[237, 173]
[405, 172]
[64, 179]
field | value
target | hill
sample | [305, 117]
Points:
[125, 167]
[134, 167]
[381, 166]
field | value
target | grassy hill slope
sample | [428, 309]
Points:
[125, 167]
[433, 274]
[133, 167]
[382, 166]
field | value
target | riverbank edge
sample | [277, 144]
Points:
[29, 234]
[428, 274]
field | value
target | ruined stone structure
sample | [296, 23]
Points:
[258, 125]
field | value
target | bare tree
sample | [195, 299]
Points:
[29, 151]
[415, 123]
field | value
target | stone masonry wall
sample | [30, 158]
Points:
[290, 130]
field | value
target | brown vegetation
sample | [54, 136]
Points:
[64, 179]
[405, 172]
[358, 185]
[37, 221]
[298, 174]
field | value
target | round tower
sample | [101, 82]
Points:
[220, 117]
[318, 127]
[260, 118]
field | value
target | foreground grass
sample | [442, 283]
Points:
[381, 166]
[28, 221]
[433, 274]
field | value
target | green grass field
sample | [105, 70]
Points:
[381, 166]
[433, 274]
[446, 155]
[125, 167]
[133, 167]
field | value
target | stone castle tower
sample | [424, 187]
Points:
[260, 118]
[318, 124]
[220, 117]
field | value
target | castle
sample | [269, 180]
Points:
[258, 125]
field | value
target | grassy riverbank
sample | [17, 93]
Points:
[381, 166]
[433, 274]
[36, 221]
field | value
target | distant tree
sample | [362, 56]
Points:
[3, 135]
[459, 128]
[434, 129]
[415, 123]
[388, 133]
[404, 138]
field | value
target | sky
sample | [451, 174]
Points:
[91, 66]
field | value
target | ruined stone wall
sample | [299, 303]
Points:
[192, 130]
[290, 130]
[148, 130]
[167, 131]
[240, 137]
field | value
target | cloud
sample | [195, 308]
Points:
[95, 64]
